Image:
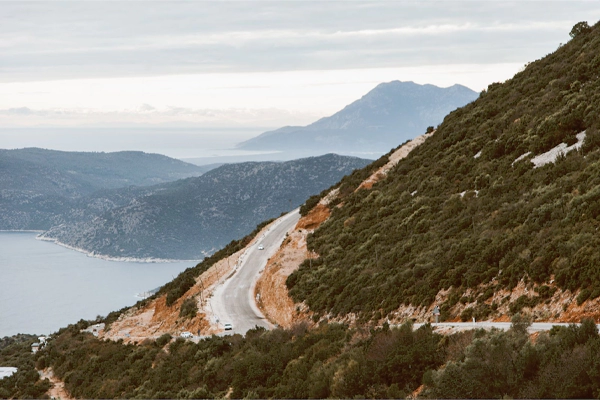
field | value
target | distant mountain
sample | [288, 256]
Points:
[190, 218]
[37, 185]
[389, 114]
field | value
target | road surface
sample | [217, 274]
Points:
[462, 326]
[233, 302]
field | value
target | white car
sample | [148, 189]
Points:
[261, 247]
[228, 327]
[186, 335]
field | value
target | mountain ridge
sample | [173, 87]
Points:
[191, 218]
[37, 186]
[389, 114]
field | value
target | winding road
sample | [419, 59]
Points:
[233, 302]
[459, 326]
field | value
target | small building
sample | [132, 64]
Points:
[35, 347]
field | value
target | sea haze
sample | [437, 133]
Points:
[172, 142]
[44, 287]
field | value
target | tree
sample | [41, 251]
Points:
[580, 28]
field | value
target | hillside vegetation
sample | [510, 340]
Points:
[332, 361]
[468, 209]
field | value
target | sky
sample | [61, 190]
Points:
[254, 64]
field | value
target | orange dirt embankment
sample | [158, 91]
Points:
[156, 318]
[273, 297]
[274, 300]
[561, 307]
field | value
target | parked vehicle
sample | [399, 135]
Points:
[228, 327]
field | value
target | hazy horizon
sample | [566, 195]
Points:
[200, 77]
[254, 64]
[175, 142]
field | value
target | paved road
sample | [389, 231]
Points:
[233, 301]
[457, 326]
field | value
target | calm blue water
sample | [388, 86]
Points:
[172, 142]
[44, 287]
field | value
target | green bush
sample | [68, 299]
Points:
[583, 296]
[189, 308]
[163, 340]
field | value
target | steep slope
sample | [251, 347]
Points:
[271, 292]
[389, 114]
[39, 188]
[191, 218]
[470, 220]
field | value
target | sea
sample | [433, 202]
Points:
[176, 142]
[44, 286]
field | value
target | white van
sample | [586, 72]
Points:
[186, 335]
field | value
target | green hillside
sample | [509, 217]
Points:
[190, 218]
[42, 188]
[463, 211]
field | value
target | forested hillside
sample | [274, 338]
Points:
[40, 188]
[327, 361]
[191, 218]
[474, 210]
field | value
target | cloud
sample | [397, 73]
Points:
[19, 111]
[145, 108]
[265, 63]
[56, 40]
[149, 116]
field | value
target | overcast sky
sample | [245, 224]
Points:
[254, 63]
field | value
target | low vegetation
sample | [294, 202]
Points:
[559, 364]
[330, 360]
[347, 184]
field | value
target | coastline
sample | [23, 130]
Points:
[109, 258]
[22, 230]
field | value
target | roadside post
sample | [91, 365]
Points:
[436, 314]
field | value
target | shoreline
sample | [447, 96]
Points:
[22, 230]
[93, 254]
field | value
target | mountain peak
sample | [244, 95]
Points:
[389, 114]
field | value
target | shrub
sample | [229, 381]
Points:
[583, 296]
[189, 308]
[163, 340]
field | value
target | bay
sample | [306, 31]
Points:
[44, 287]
